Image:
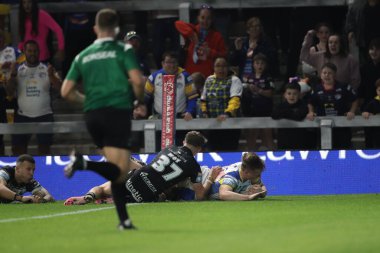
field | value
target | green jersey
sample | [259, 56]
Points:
[103, 68]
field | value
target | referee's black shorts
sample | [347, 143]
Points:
[110, 127]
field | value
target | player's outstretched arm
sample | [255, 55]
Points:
[95, 193]
[226, 193]
[43, 195]
[6, 193]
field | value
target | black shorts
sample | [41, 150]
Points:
[137, 189]
[110, 127]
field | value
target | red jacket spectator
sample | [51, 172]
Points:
[207, 49]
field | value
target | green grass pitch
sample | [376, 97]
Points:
[344, 223]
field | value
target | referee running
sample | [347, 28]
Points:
[110, 75]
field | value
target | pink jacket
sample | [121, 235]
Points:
[45, 23]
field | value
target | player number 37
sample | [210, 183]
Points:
[164, 161]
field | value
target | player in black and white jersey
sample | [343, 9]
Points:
[102, 194]
[171, 166]
[16, 180]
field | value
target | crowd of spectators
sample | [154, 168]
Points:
[220, 77]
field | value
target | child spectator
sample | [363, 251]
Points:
[295, 109]
[331, 98]
[257, 101]
[199, 83]
[373, 108]
[322, 33]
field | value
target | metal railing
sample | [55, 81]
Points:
[149, 127]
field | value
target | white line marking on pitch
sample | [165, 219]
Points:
[54, 215]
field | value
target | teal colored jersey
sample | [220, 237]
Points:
[103, 69]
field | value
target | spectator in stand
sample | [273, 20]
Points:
[221, 99]
[332, 98]
[373, 108]
[134, 40]
[363, 25]
[292, 108]
[320, 44]
[32, 83]
[370, 72]
[199, 83]
[257, 101]
[16, 180]
[8, 55]
[205, 43]
[140, 111]
[246, 48]
[35, 24]
[347, 67]
[323, 31]
[186, 95]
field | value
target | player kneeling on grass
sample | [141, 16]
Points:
[171, 166]
[241, 181]
[211, 178]
[102, 194]
[15, 181]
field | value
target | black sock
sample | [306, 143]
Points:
[89, 197]
[119, 193]
[106, 169]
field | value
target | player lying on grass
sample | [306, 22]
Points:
[16, 180]
[250, 186]
[241, 181]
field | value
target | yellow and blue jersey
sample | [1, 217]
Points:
[231, 178]
[185, 92]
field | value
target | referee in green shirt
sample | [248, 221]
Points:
[111, 78]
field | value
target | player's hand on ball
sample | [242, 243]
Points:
[255, 191]
[252, 189]
[256, 195]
